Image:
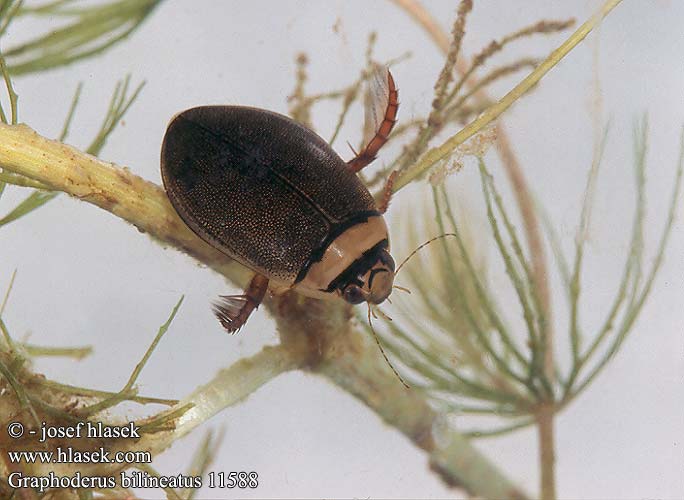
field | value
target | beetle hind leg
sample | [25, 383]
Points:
[383, 129]
[233, 311]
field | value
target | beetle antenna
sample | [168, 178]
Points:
[381, 313]
[402, 288]
[420, 248]
[377, 341]
[352, 148]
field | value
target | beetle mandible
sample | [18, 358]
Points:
[273, 195]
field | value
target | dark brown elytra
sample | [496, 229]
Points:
[273, 195]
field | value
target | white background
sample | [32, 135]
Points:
[85, 277]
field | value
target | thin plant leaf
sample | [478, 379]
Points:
[128, 391]
[21, 181]
[7, 292]
[8, 10]
[118, 106]
[500, 431]
[13, 97]
[91, 31]
[203, 458]
[6, 335]
[76, 353]
[628, 275]
[34, 201]
[537, 340]
[483, 299]
[529, 313]
[171, 494]
[19, 391]
[416, 167]
[637, 304]
[70, 115]
[164, 421]
[585, 221]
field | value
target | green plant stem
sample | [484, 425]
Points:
[547, 454]
[64, 168]
[580, 241]
[146, 206]
[229, 387]
[232, 385]
[83, 391]
[66, 352]
[350, 359]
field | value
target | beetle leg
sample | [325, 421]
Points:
[233, 310]
[387, 192]
[368, 154]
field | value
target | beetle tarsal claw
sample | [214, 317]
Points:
[228, 309]
[232, 311]
[232, 304]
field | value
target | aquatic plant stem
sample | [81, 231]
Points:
[547, 454]
[316, 335]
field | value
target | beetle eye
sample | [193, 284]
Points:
[353, 294]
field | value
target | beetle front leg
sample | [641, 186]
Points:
[233, 310]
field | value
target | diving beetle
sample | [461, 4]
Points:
[273, 195]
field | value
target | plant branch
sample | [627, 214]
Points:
[315, 334]
[349, 358]
[547, 454]
[229, 387]
[64, 168]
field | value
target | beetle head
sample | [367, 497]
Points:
[372, 282]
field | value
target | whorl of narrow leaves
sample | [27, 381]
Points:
[87, 31]
[466, 356]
